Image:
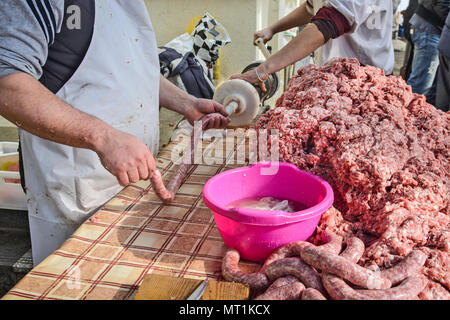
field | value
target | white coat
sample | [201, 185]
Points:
[370, 38]
[117, 82]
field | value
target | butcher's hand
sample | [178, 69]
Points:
[202, 107]
[265, 34]
[252, 77]
[125, 156]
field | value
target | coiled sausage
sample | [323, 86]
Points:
[297, 268]
[291, 291]
[348, 270]
[231, 272]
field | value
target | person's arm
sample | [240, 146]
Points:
[327, 24]
[175, 99]
[296, 18]
[27, 103]
[301, 46]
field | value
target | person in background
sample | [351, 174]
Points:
[344, 28]
[427, 24]
[443, 78]
[407, 15]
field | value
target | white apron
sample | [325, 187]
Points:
[370, 39]
[118, 82]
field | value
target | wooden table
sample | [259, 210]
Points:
[133, 235]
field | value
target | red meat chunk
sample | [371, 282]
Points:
[385, 152]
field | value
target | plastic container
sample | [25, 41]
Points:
[8, 148]
[255, 233]
[12, 196]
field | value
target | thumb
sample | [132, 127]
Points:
[262, 85]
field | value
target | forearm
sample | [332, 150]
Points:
[301, 46]
[173, 98]
[296, 18]
[27, 103]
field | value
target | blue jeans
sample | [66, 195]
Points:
[425, 60]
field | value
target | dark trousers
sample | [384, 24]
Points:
[443, 83]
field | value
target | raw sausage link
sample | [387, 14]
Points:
[312, 294]
[339, 290]
[348, 270]
[280, 282]
[297, 268]
[291, 291]
[333, 242]
[231, 272]
[407, 290]
[409, 266]
[354, 250]
[168, 195]
[159, 187]
[289, 250]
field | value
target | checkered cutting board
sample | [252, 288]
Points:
[133, 235]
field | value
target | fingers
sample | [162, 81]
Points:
[225, 122]
[258, 35]
[265, 34]
[133, 175]
[262, 86]
[150, 165]
[220, 108]
[143, 170]
[122, 177]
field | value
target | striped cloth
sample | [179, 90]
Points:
[133, 235]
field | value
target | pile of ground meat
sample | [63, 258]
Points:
[385, 152]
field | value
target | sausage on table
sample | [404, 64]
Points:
[231, 272]
[333, 242]
[407, 290]
[312, 294]
[167, 195]
[159, 188]
[293, 249]
[289, 250]
[297, 268]
[344, 268]
[338, 289]
[291, 291]
[409, 266]
[280, 282]
[354, 250]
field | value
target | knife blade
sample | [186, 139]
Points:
[199, 291]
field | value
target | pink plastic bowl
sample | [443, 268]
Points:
[254, 233]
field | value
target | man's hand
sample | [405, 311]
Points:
[175, 99]
[265, 34]
[126, 157]
[252, 77]
[202, 107]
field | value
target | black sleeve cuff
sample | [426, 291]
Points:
[328, 29]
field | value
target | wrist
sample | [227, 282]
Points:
[100, 136]
[189, 106]
[274, 29]
[262, 72]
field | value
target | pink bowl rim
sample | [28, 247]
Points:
[261, 218]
